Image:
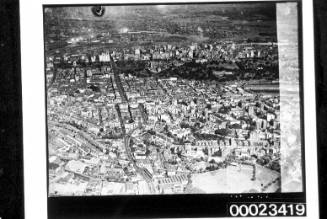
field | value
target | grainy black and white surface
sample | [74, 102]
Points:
[11, 150]
[59, 19]
[11, 169]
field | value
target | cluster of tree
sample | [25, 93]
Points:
[201, 136]
[246, 119]
[235, 126]
[223, 132]
[151, 132]
[261, 115]
[215, 166]
[271, 164]
[274, 165]
[78, 126]
[184, 125]
[217, 153]
[264, 160]
[224, 109]
[130, 66]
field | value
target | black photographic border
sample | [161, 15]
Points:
[320, 37]
[186, 205]
[11, 127]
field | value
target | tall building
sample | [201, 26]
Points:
[251, 111]
[104, 57]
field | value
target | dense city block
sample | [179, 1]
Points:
[169, 99]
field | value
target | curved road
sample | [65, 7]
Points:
[141, 171]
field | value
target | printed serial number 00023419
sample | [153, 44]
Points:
[267, 209]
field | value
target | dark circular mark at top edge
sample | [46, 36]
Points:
[98, 10]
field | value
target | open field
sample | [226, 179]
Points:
[234, 180]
